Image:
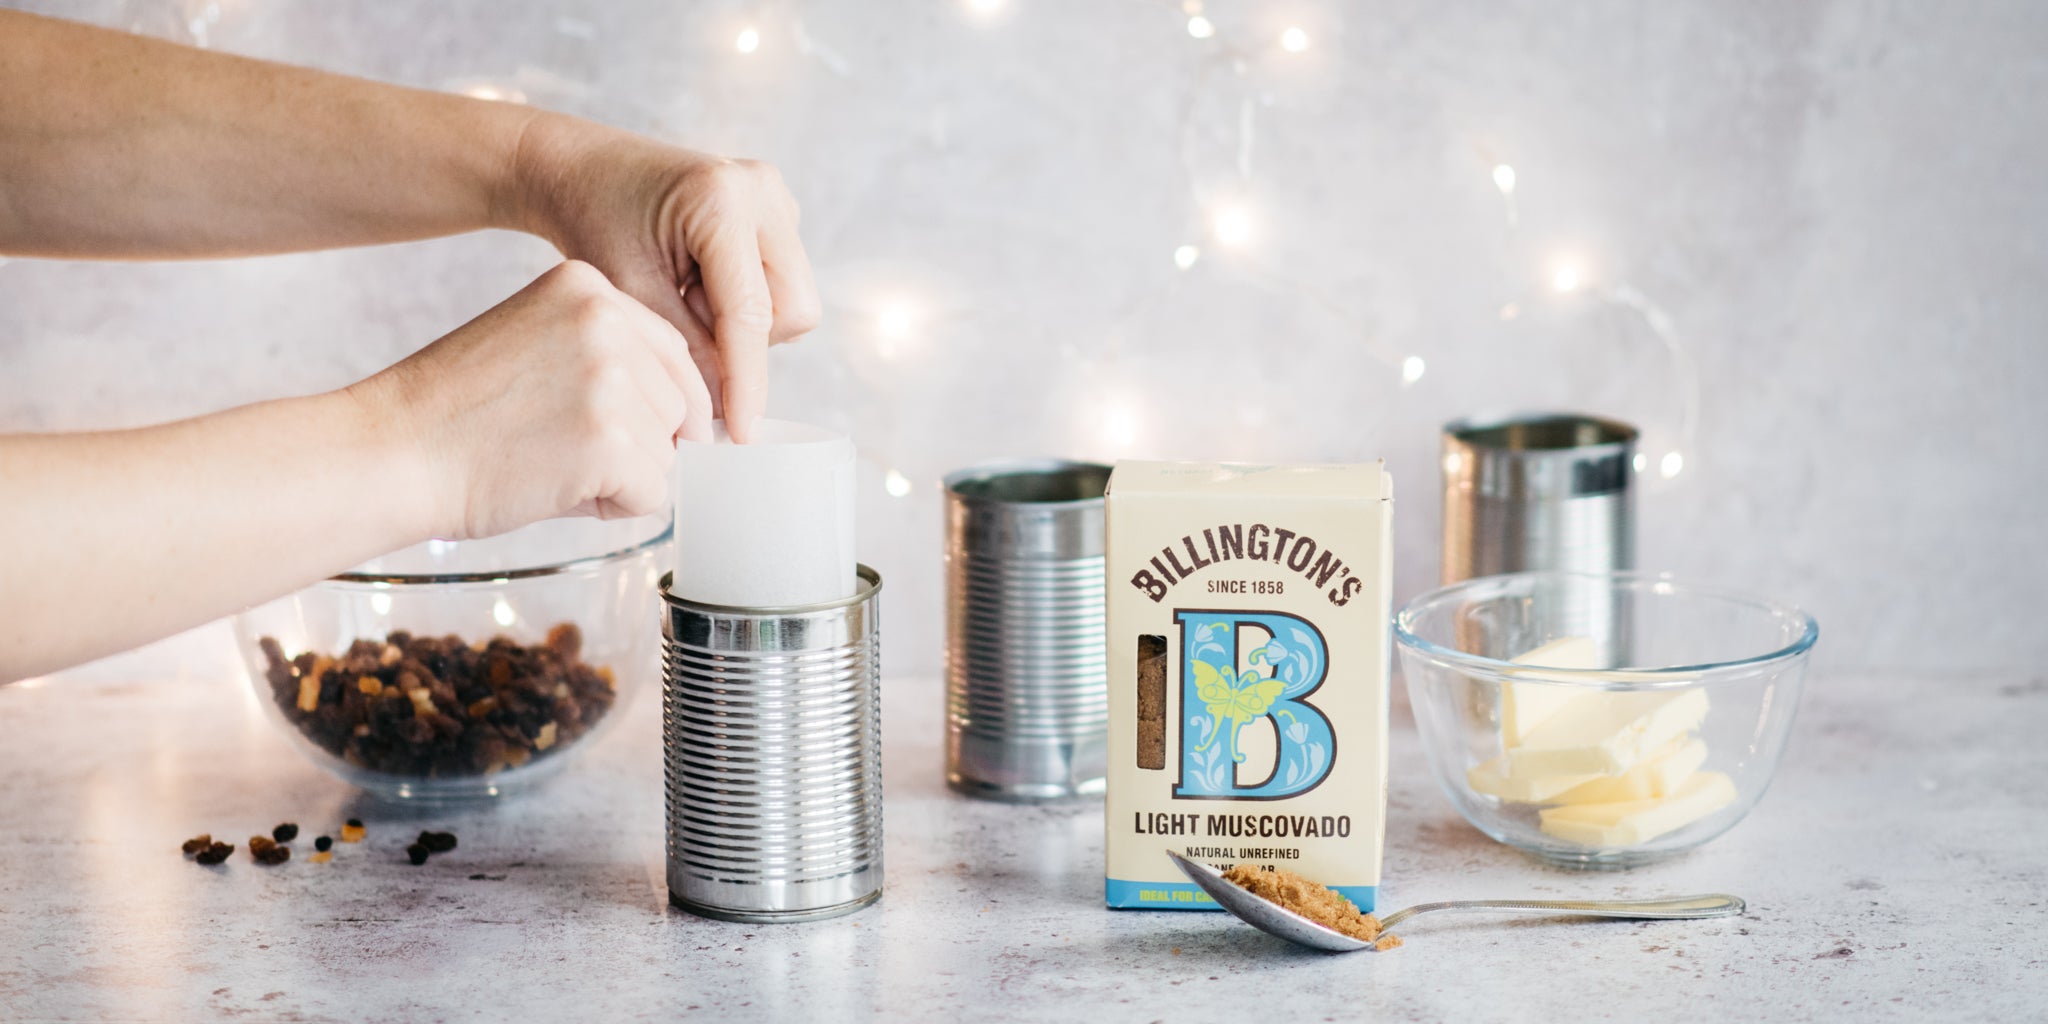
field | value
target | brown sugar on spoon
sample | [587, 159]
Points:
[1311, 900]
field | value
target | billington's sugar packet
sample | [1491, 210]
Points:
[1247, 675]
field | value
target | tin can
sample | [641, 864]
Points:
[1543, 491]
[1027, 704]
[771, 722]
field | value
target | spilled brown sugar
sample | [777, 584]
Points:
[1311, 900]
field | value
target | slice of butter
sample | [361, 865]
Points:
[1631, 822]
[1656, 775]
[1524, 703]
[1495, 780]
[1659, 774]
[1606, 733]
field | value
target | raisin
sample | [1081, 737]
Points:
[416, 853]
[285, 833]
[437, 842]
[324, 843]
[215, 854]
[197, 844]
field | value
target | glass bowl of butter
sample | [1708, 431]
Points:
[1602, 720]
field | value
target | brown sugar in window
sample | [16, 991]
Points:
[1311, 900]
[1151, 701]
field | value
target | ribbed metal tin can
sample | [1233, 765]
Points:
[772, 748]
[1027, 704]
[1544, 491]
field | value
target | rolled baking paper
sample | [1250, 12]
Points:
[767, 524]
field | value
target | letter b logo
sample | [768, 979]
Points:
[1218, 699]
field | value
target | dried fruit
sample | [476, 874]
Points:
[268, 851]
[324, 843]
[197, 844]
[437, 842]
[215, 853]
[440, 707]
[417, 853]
[285, 833]
[321, 857]
[353, 831]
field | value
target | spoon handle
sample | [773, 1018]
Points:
[1674, 908]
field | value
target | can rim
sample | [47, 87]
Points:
[1468, 432]
[986, 471]
[867, 583]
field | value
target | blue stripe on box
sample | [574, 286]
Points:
[1122, 895]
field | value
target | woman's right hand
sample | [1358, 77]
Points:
[564, 399]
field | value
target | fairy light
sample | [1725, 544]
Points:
[1504, 179]
[1120, 425]
[749, 40]
[896, 484]
[498, 94]
[1412, 369]
[1565, 278]
[984, 6]
[380, 603]
[1200, 27]
[894, 321]
[1671, 465]
[1185, 256]
[1641, 462]
[1294, 40]
[503, 613]
[1232, 225]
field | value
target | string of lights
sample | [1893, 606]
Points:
[1224, 219]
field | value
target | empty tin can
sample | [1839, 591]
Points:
[1549, 491]
[771, 722]
[1027, 704]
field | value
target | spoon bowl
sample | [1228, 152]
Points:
[1275, 919]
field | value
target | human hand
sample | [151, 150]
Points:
[708, 243]
[564, 399]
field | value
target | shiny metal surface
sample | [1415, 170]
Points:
[1277, 920]
[1027, 709]
[1546, 491]
[771, 742]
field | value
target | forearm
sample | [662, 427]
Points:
[112, 539]
[117, 146]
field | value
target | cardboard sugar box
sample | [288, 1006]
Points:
[1248, 648]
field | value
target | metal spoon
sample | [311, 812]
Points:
[1277, 920]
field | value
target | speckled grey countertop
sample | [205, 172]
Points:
[1896, 870]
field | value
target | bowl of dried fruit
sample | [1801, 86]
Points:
[464, 670]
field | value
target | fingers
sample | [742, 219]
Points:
[668, 324]
[742, 315]
[791, 288]
[655, 382]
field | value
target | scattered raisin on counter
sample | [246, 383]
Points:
[324, 843]
[215, 853]
[266, 850]
[197, 844]
[417, 854]
[285, 833]
[437, 842]
[437, 707]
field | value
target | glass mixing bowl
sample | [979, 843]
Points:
[1601, 720]
[464, 670]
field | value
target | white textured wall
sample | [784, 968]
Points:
[1836, 206]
